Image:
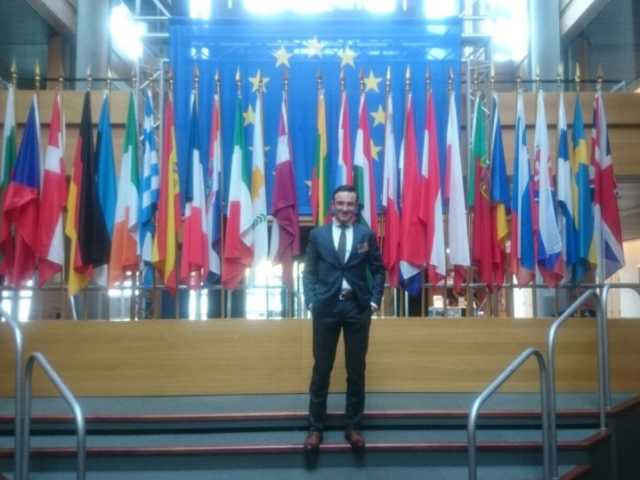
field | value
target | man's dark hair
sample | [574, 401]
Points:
[345, 188]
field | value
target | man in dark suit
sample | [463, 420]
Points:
[343, 282]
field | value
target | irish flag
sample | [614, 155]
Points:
[125, 250]
[238, 246]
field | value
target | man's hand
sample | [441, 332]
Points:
[374, 307]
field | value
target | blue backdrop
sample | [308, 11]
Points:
[249, 45]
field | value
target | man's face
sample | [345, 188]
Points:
[345, 206]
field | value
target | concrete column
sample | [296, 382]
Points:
[92, 38]
[544, 37]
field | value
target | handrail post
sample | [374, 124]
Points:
[491, 389]
[19, 380]
[551, 354]
[602, 363]
[66, 394]
[635, 287]
[605, 345]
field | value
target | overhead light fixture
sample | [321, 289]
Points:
[442, 9]
[380, 6]
[260, 7]
[200, 9]
[126, 33]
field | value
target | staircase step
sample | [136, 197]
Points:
[567, 472]
[570, 438]
[283, 450]
[293, 420]
[234, 412]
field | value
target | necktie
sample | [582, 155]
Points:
[342, 243]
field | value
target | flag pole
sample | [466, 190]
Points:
[427, 297]
[195, 283]
[60, 87]
[216, 79]
[135, 300]
[177, 263]
[289, 292]
[381, 237]
[600, 277]
[494, 292]
[471, 212]
[534, 290]
[407, 89]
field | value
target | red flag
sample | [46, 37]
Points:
[21, 202]
[413, 248]
[52, 201]
[481, 248]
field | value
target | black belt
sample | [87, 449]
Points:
[346, 295]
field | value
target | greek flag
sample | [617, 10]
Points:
[150, 190]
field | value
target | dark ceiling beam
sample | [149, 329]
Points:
[60, 14]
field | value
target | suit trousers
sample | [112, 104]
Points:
[354, 322]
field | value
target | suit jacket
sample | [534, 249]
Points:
[324, 270]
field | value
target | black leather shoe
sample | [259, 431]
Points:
[312, 441]
[354, 438]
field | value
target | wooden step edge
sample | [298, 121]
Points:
[576, 472]
[291, 415]
[625, 406]
[416, 447]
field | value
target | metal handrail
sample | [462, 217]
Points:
[491, 389]
[71, 401]
[19, 380]
[551, 353]
[605, 333]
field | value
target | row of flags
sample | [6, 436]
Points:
[562, 227]
[561, 230]
[121, 226]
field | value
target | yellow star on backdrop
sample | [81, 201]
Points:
[371, 82]
[282, 57]
[314, 47]
[255, 82]
[379, 117]
[249, 116]
[347, 56]
[374, 150]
